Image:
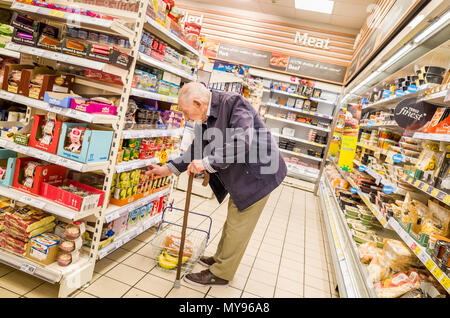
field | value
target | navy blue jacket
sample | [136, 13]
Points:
[247, 163]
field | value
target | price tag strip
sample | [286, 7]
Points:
[432, 191]
[420, 252]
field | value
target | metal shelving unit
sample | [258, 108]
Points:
[80, 273]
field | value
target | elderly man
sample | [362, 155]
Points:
[232, 144]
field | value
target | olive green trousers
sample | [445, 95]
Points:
[236, 233]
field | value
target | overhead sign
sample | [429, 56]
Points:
[412, 115]
[311, 41]
[244, 55]
[309, 68]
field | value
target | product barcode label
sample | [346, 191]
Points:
[437, 272]
[445, 281]
[28, 268]
[429, 264]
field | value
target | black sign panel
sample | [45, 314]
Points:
[244, 55]
[319, 70]
[412, 115]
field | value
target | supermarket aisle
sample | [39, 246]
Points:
[286, 257]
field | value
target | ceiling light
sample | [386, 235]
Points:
[394, 58]
[415, 22]
[322, 6]
[442, 20]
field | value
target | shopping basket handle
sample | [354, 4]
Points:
[205, 179]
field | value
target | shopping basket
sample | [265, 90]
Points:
[174, 243]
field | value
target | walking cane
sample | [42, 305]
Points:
[177, 283]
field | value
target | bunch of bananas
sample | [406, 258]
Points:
[167, 261]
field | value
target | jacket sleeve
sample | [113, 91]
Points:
[236, 147]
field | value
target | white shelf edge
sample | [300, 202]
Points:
[298, 140]
[69, 112]
[141, 163]
[296, 123]
[172, 36]
[301, 155]
[129, 235]
[143, 58]
[152, 95]
[9, 53]
[296, 110]
[148, 133]
[49, 157]
[436, 137]
[66, 58]
[44, 204]
[74, 18]
[113, 212]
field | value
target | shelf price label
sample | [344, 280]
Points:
[437, 272]
[434, 192]
[445, 281]
[429, 264]
[362, 168]
[417, 250]
[28, 268]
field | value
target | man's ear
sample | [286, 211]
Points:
[197, 103]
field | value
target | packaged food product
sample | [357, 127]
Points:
[28, 219]
[367, 251]
[437, 220]
[43, 248]
[67, 246]
[398, 284]
[398, 256]
[378, 268]
[172, 246]
[72, 232]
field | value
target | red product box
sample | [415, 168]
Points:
[157, 206]
[102, 76]
[157, 55]
[45, 173]
[72, 200]
[37, 133]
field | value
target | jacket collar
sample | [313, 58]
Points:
[214, 104]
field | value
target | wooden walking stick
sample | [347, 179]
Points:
[177, 283]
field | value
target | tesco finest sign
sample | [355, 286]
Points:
[412, 114]
[306, 40]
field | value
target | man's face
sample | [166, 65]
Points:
[196, 111]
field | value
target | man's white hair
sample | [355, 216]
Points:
[191, 91]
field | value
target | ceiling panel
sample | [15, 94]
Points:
[346, 13]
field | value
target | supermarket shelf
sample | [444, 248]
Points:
[9, 53]
[129, 235]
[35, 103]
[421, 254]
[365, 199]
[393, 99]
[299, 110]
[387, 124]
[437, 98]
[145, 59]
[169, 37]
[136, 164]
[300, 155]
[114, 212]
[296, 123]
[152, 95]
[378, 177]
[287, 93]
[298, 140]
[44, 204]
[302, 176]
[387, 152]
[66, 58]
[428, 189]
[436, 137]
[52, 273]
[75, 19]
[352, 276]
[49, 157]
[321, 100]
[147, 133]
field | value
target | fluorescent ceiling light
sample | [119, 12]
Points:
[415, 22]
[442, 20]
[322, 6]
[395, 57]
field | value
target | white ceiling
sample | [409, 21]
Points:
[346, 13]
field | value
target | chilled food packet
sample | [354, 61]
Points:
[397, 285]
[398, 256]
[378, 268]
[172, 246]
[28, 219]
[437, 220]
[368, 251]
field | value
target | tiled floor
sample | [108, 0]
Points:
[287, 257]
